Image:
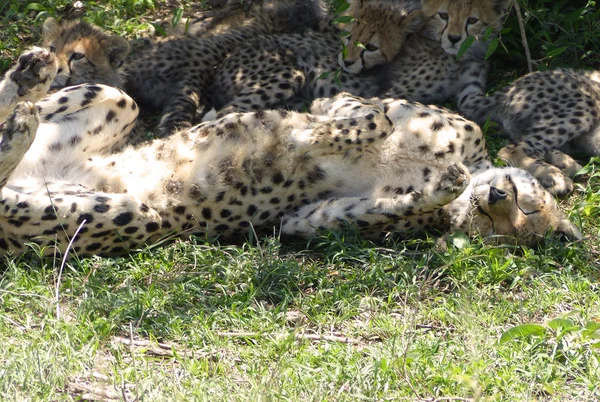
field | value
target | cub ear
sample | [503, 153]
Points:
[50, 30]
[117, 49]
[413, 21]
[569, 230]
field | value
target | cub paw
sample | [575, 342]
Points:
[555, 181]
[34, 72]
[20, 127]
[563, 161]
[454, 180]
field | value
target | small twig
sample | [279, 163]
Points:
[158, 349]
[132, 351]
[62, 266]
[298, 337]
[14, 323]
[523, 35]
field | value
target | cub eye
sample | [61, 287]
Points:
[443, 16]
[472, 20]
[372, 48]
[53, 49]
[77, 56]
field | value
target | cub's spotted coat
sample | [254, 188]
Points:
[382, 165]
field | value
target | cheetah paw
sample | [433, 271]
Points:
[18, 132]
[452, 183]
[34, 73]
[555, 181]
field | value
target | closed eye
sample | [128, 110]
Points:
[372, 48]
[444, 16]
[472, 20]
[516, 192]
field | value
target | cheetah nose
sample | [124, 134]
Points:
[496, 195]
[348, 63]
[454, 39]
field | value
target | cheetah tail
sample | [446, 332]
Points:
[471, 99]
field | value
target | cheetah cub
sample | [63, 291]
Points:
[381, 165]
[546, 115]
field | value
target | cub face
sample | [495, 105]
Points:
[508, 205]
[451, 21]
[378, 32]
[84, 53]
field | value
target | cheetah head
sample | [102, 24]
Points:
[85, 53]
[508, 205]
[451, 22]
[378, 32]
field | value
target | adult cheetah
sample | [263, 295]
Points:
[381, 165]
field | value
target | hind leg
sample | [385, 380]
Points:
[18, 132]
[551, 177]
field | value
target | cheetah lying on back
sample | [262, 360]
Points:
[546, 115]
[381, 165]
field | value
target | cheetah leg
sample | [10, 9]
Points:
[180, 111]
[563, 161]
[110, 223]
[371, 212]
[352, 126]
[551, 177]
[28, 80]
[276, 91]
[76, 123]
[18, 132]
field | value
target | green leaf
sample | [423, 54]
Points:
[488, 32]
[161, 31]
[34, 7]
[344, 19]
[459, 240]
[177, 16]
[522, 332]
[492, 48]
[559, 323]
[465, 46]
[360, 45]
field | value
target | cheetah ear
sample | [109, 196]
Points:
[117, 48]
[50, 30]
[569, 230]
[413, 21]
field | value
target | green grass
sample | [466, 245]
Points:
[399, 321]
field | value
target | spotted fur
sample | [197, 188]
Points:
[382, 165]
[546, 115]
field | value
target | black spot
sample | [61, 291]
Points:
[123, 219]
[110, 116]
[101, 208]
[144, 208]
[206, 213]
[93, 247]
[152, 227]
[131, 229]
[121, 103]
[63, 99]
[225, 213]
[251, 210]
[89, 218]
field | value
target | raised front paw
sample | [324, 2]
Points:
[34, 73]
[454, 180]
[19, 129]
